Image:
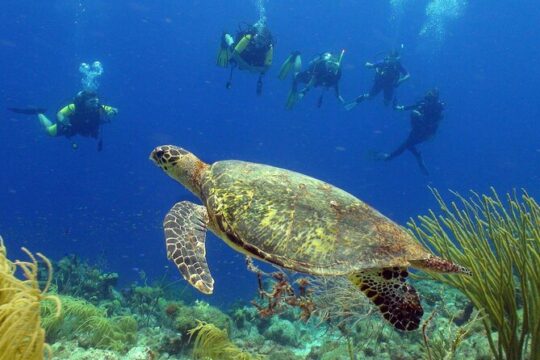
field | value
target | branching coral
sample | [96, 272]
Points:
[500, 242]
[78, 278]
[338, 303]
[214, 344]
[443, 342]
[282, 294]
[21, 335]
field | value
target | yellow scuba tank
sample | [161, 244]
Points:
[242, 44]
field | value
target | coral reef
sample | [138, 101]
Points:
[90, 326]
[143, 301]
[297, 318]
[282, 332]
[21, 335]
[78, 278]
[187, 317]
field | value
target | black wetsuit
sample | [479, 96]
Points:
[257, 49]
[425, 119]
[320, 72]
[387, 75]
[85, 124]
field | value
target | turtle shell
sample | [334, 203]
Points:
[301, 223]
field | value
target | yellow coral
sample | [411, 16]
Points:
[21, 335]
[212, 343]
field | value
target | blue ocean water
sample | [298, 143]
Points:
[159, 61]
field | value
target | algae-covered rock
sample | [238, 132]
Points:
[187, 316]
[282, 332]
[245, 316]
[283, 354]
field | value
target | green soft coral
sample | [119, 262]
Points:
[500, 242]
[90, 325]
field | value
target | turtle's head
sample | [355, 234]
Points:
[181, 165]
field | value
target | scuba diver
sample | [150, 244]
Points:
[252, 50]
[323, 71]
[82, 117]
[426, 116]
[389, 74]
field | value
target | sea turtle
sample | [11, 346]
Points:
[296, 222]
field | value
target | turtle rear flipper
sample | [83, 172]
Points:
[185, 235]
[397, 301]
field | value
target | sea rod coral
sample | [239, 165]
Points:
[20, 301]
[500, 242]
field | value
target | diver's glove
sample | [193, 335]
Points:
[399, 107]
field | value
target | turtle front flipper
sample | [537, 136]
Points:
[185, 235]
[397, 301]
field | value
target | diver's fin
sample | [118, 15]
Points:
[224, 54]
[28, 110]
[228, 84]
[350, 105]
[340, 60]
[223, 58]
[377, 155]
[320, 100]
[355, 102]
[397, 301]
[292, 99]
[294, 61]
[420, 161]
[259, 85]
[185, 235]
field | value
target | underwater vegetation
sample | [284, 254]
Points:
[500, 242]
[90, 325]
[213, 343]
[78, 278]
[20, 308]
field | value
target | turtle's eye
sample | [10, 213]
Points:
[159, 154]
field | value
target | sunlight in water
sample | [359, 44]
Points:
[262, 13]
[90, 75]
[439, 13]
[397, 8]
